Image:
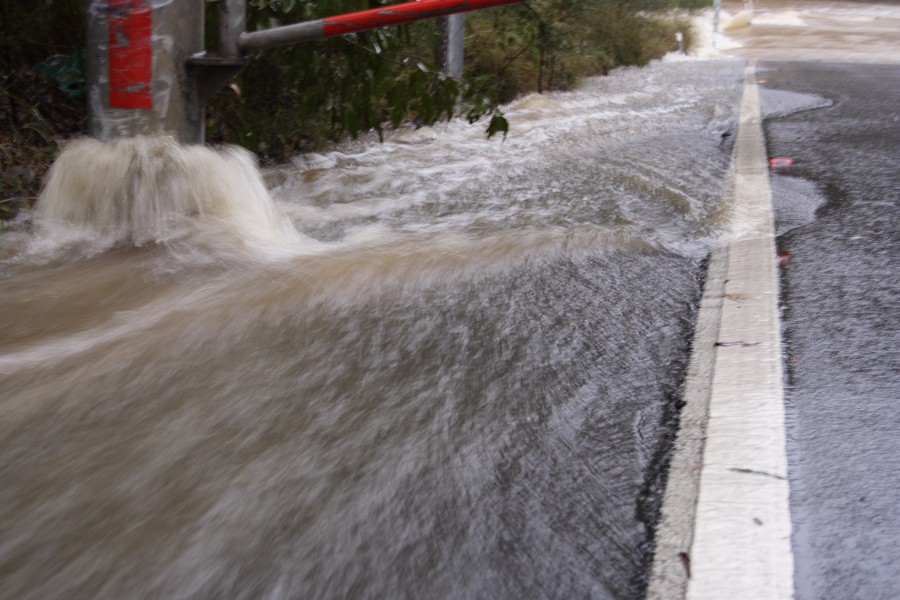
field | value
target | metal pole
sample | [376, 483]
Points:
[449, 53]
[395, 14]
[232, 23]
[456, 33]
[138, 80]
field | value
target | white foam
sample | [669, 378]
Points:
[787, 18]
[153, 190]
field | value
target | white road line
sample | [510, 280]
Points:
[735, 543]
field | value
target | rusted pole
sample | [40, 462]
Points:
[453, 32]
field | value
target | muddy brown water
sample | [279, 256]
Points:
[440, 366]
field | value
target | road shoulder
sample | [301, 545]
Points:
[728, 475]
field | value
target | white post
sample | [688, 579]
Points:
[453, 31]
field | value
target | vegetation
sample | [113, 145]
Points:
[41, 92]
[299, 98]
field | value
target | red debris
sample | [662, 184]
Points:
[780, 162]
[783, 257]
[686, 563]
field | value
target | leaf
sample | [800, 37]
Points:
[497, 124]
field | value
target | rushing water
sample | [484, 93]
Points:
[438, 367]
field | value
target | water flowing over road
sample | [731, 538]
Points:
[438, 367]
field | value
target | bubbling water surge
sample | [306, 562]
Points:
[153, 190]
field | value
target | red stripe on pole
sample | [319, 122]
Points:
[130, 54]
[396, 14]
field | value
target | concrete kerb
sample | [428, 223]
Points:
[724, 528]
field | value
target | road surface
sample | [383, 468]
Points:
[840, 291]
[836, 199]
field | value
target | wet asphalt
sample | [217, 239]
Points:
[841, 322]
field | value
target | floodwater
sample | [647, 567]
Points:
[857, 31]
[438, 367]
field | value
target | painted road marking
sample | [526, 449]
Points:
[725, 528]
